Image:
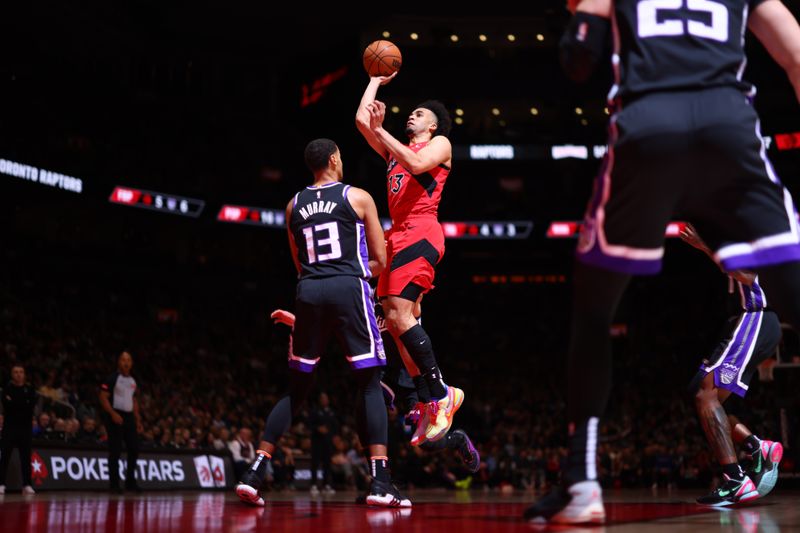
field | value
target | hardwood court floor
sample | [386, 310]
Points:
[434, 511]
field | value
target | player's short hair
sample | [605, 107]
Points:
[443, 120]
[318, 152]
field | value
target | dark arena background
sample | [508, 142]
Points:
[147, 153]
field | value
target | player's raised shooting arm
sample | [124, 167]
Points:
[364, 206]
[586, 37]
[777, 29]
[438, 151]
[362, 113]
[292, 245]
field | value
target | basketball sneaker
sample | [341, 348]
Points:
[441, 413]
[384, 494]
[580, 503]
[419, 416]
[731, 492]
[465, 450]
[764, 467]
[248, 488]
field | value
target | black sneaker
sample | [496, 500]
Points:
[580, 503]
[763, 469]
[731, 492]
[248, 488]
[114, 489]
[465, 450]
[384, 494]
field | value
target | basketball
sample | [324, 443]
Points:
[382, 58]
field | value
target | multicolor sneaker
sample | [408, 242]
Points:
[384, 494]
[731, 492]
[465, 450]
[441, 413]
[580, 503]
[764, 468]
[419, 415]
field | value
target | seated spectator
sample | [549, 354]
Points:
[242, 450]
[43, 428]
[88, 434]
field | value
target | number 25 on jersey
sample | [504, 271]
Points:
[706, 19]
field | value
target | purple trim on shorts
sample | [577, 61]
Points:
[301, 366]
[379, 357]
[731, 368]
[785, 253]
[362, 248]
[623, 265]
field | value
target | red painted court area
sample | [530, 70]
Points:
[438, 511]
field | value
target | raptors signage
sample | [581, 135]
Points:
[59, 468]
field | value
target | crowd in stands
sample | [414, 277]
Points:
[208, 379]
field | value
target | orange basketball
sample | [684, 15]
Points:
[382, 58]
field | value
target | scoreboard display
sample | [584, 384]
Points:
[488, 229]
[254, 216]
[157, 201]
[274, 218]
[571, 229]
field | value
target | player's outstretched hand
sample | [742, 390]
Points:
[377, 112]
[385, 79]
[282, 317]
[690, 236]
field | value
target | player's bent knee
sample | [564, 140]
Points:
[707, 391]
[399, 320]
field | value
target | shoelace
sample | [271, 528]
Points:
[433, 408]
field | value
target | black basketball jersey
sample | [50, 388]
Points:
[329, 235]
[663, 45]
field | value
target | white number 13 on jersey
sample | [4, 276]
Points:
[649, 25]
[332, 240]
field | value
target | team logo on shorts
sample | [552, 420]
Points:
[588, 235]
[728, 373]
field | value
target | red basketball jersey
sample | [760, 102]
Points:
[414, 196]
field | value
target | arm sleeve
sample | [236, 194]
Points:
[583, 43]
